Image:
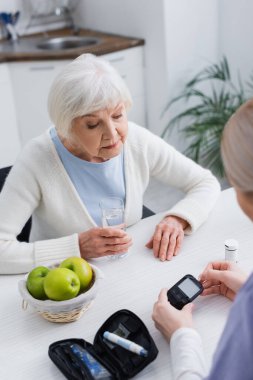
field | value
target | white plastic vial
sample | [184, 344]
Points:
[231, 250]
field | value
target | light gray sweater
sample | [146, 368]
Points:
[38, 185]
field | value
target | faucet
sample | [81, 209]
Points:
[64, 10]
[7, 22]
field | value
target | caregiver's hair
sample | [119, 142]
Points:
[237, 148]
[85, 85]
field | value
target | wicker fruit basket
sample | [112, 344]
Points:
[62, 311]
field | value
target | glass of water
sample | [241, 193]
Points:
[113, 215]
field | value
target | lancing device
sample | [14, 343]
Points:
[125, 343]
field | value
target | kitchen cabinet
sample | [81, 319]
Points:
[31, 82]
[9, 141]
[130, 65]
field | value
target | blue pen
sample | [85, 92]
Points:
[125, 343]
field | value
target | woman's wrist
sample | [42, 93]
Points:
[81, 244]
[183, 330]
[174, 218]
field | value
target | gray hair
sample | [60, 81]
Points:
[85, 85]
[237, 148]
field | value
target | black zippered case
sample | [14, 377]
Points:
[103, 360]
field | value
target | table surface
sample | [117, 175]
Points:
[130, 283]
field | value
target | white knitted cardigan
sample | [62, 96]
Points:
[38, 185]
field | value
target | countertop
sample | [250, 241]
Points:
[25, 48]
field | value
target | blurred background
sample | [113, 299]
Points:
[181, 39]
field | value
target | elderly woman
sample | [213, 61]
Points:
[233, 358]
[91, 152]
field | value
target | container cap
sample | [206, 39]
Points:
[231, 244]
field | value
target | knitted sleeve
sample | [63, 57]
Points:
[168, 165]
[20, 196]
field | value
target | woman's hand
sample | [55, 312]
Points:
[222, 277]
[167, 318]
[98, 242]
[168, 237]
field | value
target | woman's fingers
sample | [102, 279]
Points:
[111, 232]
[220, 290]
[99, 242]
[164, 244]
[213, 275]
[157, 241]
[216, 289]
[117, 247]
[180, 239]
[149, 244]
[167, 239]
[116, 240]
[163, 295]
[172, 245]
[167, 243]
[207, 284]
[216, 265]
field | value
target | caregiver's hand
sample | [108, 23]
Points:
[168, 237]
[167, 318]
[222, 277]
[98, 242]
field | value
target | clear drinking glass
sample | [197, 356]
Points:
[113, 215]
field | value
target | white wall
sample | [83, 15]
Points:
[236, 35]
[10, 5]
[191, 43]
[191, 38]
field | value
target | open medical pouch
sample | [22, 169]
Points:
[80, 360]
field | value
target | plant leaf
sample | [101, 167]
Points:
[202, 123]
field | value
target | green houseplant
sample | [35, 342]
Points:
[203, 121]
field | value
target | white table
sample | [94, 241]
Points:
[132, 283]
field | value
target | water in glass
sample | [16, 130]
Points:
[112, 210]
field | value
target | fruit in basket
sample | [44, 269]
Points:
[61, 284]
[35, 282]
[82, 268]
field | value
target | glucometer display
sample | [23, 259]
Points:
[188, 287]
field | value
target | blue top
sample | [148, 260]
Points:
[233, 359]
[93, 181]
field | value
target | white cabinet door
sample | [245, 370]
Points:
[9, 141]
[31, 82]
[130, 65]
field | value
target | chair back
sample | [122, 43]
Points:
[25, 233]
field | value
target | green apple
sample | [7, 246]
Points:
[82, 268]
[35, 281]
[61, 284]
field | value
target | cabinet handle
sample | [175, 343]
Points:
[119, 59]
[41, 68]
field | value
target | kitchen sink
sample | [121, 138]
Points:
[68, 42]
[52, 45]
